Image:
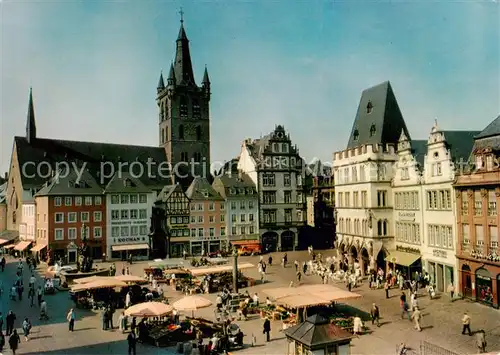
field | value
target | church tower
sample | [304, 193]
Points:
[184, 114]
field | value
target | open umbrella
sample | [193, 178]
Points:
[103, 283]
[149, 309]
[192, 303]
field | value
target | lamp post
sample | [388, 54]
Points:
[235, 270]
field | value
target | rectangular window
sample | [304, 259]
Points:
[143, 214]
[287, 181]
[143, 198]
[269, 197]
[134, 214]
[268, 180]
[78, 201]
[59, 217]
[193, 232]
[288, 196]
[88, 201]
[115, 199]
[124, 231]
[68, 201]
[465, 234]
[200, 219]
[233, 218]
[115, 215]
[124, 214]
[72, 234]
[242, 218]
[212, 232]
[222, 231]
[211, 219]
[85, 216]
[134, 231]
[242, 205]
[59, 234]
[222, 218]
[72, 217]
[124, 199]
[57, 201]
[211, 206]
[200, 232]
[115, 232]
[98, 200]
[97, 232]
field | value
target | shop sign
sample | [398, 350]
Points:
[485, 278]
[197, 238]
[438, 253]
[128, 240]
[407, 216]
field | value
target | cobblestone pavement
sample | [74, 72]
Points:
[441, 322]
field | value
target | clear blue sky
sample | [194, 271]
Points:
[94, 66]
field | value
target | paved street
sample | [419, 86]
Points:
[441, 323]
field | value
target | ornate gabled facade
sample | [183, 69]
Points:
[408, 209]
[277, 170]
[174, 201]
[477, 190]
[423, 203]
[184, 115]
[363, 174]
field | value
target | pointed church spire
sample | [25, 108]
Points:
[206, 79]
[403, 137]
[171, 76]
[30, 121]
[183, 66]
[161, 83]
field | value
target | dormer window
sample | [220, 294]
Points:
[232, 191]
[436, 155]
[355, 135]
[127, 183]
[369, 107]
[372, 130]
[205, 193]
[276, 147]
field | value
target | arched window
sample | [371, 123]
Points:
[184, 156]
[372, 130]
[379, 227]
[181, 132]
[355, 135]
[162, 138]
[196, 108]
[183, 106]
[166, 134]
[369, 107]
[198, 133]
[384, 227]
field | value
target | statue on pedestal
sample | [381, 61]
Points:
[84, 261]
[159, 238]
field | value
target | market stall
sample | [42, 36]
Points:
[192, 303]
[96, 294]
[300, 300]
[219, 269]
[149, 309]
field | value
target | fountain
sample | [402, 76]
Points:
[84, 263]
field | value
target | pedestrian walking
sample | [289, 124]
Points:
[386, 288]
[299, 276]
[270, 260]
[375, 313]
[14, 341]
[31, 296]
[466, 324]
[39, 294]
[296, 263]
[2, 341]
[451, 291]
[481, 341]
[26, 328]
[132, 341]
[417, 317]
[9, 320]
[71, 319]
[1, 324]
[267, 329]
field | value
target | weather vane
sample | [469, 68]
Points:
[181, 12]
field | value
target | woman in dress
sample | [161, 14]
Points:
[357, 326]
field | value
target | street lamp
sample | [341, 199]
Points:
[235, 270]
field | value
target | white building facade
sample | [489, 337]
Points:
[128, 218]
[274, 165]
[364, 204]
[27, 227]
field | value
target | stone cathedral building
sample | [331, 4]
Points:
[184, 115]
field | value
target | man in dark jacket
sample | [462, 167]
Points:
[132, 340]
[9, 320]
[267, 329]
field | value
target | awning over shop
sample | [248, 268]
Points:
[9, 246]
[129, 247]
[4, 241]
[39, 247]
[402, 258]
[9, 235]
[248, 241]
[22, 245]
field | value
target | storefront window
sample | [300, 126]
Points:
[484, 286]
